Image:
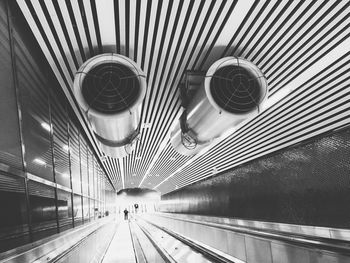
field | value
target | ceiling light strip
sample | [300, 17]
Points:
[121, 166]
[105, 14]
[143, 8]
[158, 60]
[51, 9]
[132, 28]
[297, 37]
[54, 46]
[81, 28]
[122, 25]
[158, 153]
[150, 33]
[271, 20]
[91, 25]
[274, 38]
[70, 31]
[307, 62]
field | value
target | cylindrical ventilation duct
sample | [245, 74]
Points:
[110, 89]
[232, 91]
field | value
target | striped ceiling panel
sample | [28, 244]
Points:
[301, 46]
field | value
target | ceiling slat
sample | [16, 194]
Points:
[301, 46]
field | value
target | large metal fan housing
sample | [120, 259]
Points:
[233, 90]
[110, 89]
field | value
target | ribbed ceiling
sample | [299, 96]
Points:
[301, 46]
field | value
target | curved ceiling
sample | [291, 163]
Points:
[301, 46]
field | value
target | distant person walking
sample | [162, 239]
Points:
[126, 212]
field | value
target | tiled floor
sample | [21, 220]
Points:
[121, 249]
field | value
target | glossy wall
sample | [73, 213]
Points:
[306, 184]
[50, 178]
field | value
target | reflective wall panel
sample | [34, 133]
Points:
[59, 117]
[50, 179]
[14, 227]
[74, 145]
[77, 210]
[65, 212]
[307, 184]
[10, 145]
[43, 209]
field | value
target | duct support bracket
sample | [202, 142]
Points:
[188, 87]
[130, 140]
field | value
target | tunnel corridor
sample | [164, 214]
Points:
[174, 131]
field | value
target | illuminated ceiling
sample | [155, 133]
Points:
[301, 46]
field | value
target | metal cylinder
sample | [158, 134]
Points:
[110, 89]
[232, 91]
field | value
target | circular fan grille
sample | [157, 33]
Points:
[235, 89]
[110, 88]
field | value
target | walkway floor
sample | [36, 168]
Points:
[121, 248]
